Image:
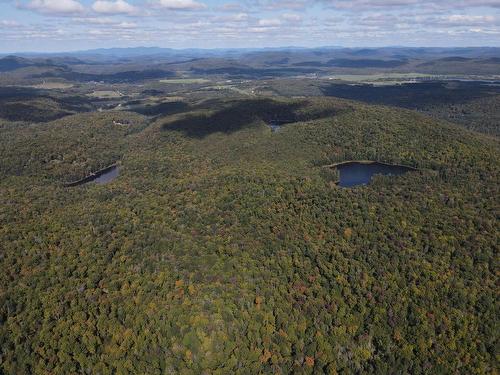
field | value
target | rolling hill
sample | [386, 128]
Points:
[224, 247]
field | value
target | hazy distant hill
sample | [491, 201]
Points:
[334, 51]
[10, 63]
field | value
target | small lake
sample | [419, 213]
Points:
[101, 177]
[107, 176]
[276, 125]
[357, 173]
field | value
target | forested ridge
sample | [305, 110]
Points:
[223, 247]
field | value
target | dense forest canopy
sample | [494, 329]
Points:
[224, 247]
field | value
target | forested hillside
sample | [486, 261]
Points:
[224, 247]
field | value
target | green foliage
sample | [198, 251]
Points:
[69, 148]
[28, 104]
[232, 252]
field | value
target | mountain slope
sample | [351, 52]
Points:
[223, 247]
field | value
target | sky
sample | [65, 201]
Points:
[69, 25]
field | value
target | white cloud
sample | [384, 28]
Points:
[472, 4]
[483, 31]
[284, 4]
[357, 5]
[181, 4]
[231, 7]
[95, 20]
[232, 19]
[114, 7]
[258, 29]
[9, 23]
[126, 25]
[55, 6]
[467, 19]
[292, 17]
[239, 17]
[269, 22]
[105, 22]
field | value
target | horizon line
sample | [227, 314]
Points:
[243, 48]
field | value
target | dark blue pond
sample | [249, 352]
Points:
[275, 126]
[107, 176]
[355, 173]
[100, 177]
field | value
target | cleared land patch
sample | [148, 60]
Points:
[106, 94]
[52, 86]
[185, 81]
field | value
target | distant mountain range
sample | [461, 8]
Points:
[117, 65]
[407, 52]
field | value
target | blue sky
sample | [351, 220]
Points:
[65, 25]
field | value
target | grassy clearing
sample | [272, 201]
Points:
[106, 94]
[400, 78]
[174, 98]
[380, 78]
[53, 86]
[185, 81]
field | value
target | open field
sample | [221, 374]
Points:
[401, 78]
[186, 81]
[53, 86]
[106, 94]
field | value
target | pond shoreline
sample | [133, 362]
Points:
[352, 173]
[347, 162]
[91, 177]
